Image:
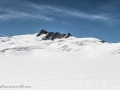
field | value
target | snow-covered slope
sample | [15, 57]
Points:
[72, 44]
[62, 64]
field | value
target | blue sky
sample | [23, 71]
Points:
[82, 18]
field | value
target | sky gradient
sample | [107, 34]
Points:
[82, 18]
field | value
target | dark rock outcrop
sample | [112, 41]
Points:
[68, 35]
[102, 41]
[41, 32]
[53, 35]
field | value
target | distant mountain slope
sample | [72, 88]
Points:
[72, 44]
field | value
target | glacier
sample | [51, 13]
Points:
[63, 64]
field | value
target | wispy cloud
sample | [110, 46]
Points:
[62, 11]
[10, 14]
[110, 10]
[49, 13]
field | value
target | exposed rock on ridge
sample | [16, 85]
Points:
[53, 35]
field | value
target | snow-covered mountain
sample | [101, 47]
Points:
[29, 62]
[72, 44]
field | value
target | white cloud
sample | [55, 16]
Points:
[10, 14]
[62, 11]
[49, 13]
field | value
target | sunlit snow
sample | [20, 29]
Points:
[62, 64]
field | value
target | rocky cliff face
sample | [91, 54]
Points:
[53, 35]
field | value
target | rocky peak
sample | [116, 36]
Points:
[53, 35]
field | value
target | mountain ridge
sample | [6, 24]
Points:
[32, 43]
[52, 35]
